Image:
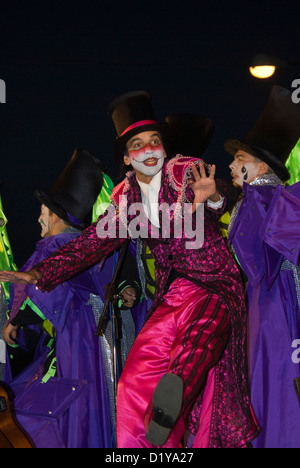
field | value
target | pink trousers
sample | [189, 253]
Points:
[186, 335]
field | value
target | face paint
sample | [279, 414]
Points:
[244, 171]
[244, 168]
[148, 160]
[45, 221]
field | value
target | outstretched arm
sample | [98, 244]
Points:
[29, 277]
[71, 259]
[76, 256]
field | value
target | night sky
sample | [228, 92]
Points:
[64, 61]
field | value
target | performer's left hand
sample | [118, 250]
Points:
[203, 185]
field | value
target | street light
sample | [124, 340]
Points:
[263, 66]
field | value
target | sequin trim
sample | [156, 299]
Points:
[287, 265]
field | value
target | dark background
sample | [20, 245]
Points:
[64, 61]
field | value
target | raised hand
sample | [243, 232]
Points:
[203, 185]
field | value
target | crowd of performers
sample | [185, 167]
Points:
[151, 340]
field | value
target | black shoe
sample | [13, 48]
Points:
[167, 403]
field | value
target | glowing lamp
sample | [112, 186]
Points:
[263, 66]
[263, 71]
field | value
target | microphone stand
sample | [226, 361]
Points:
[104, 317]
[111, 299]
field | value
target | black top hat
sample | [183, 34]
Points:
[275, 133]
[188, 134]
[132, 113]
[74, 193]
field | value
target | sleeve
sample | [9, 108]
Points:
[129, 276]
[215, 205]
[228, 197]
[244, 236]
[280, 229]
[229, 192]
[97, 241]
[129, 272]
[28, 316]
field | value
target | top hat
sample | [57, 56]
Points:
[188, 134]
[132, 113]
[275, 133]
[75, 191]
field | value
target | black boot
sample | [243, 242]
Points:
[167, 403]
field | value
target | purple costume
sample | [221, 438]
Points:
[72, 408]
[265, 238]
[211, 267]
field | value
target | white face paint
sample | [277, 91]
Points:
[146, 153]
[148, 161]
[244, 168]
[45, 221]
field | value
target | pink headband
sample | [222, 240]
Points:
[138, 124]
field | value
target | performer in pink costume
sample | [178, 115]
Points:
[196, 328]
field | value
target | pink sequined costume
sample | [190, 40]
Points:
[196, 327]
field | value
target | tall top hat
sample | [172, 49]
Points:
[275, 133]
[75, 191]
[132, 113]
[188, 134]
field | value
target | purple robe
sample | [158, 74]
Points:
[265, 238]
[211, 266]
[72, 409]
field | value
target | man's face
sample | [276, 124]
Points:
[244, 168]
[45, 221]
[145, 153]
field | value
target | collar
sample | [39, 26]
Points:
[155, 184]
[267, 179]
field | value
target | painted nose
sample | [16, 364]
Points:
[148, 148]
[232, 165]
